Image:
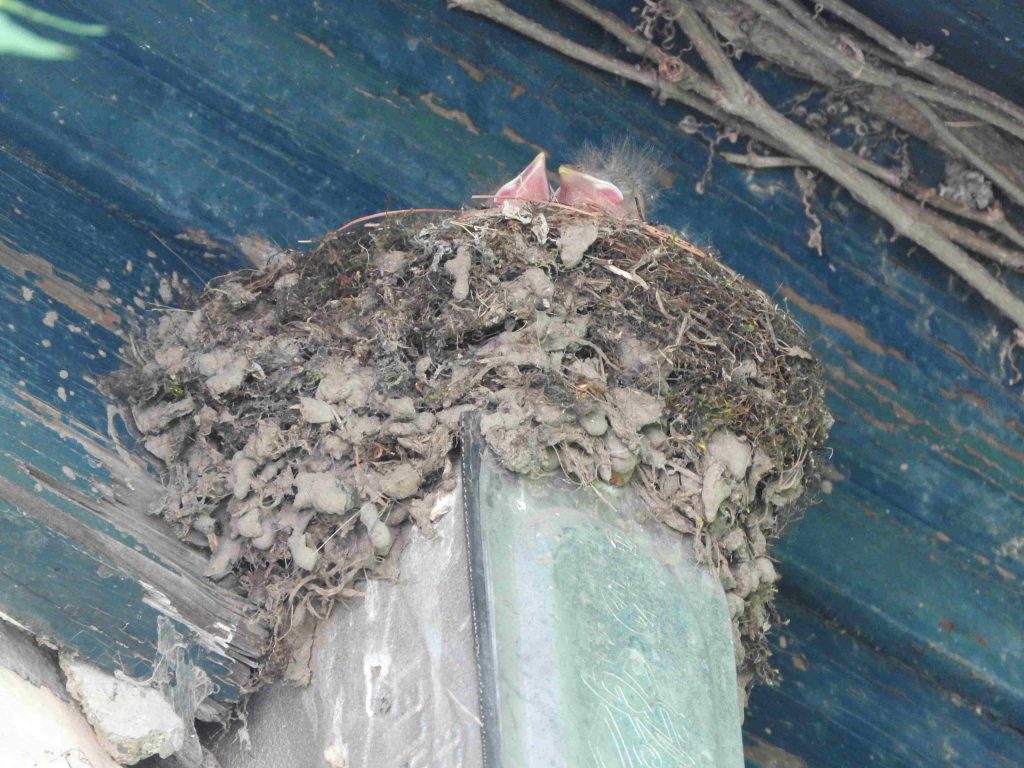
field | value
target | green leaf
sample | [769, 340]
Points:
[19, 41]
[34, 15]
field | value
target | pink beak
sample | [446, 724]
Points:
[531, 183]
[581, 190]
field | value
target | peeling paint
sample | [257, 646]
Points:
[863, 372]
[218, 642]
[511, 135]
[257, 250]
[119, 463]
[473, 71]
[369, 95]
[455, 115]
[92, 306]
[320, 46]
[195, 236]
[853, 329]
[766, 755]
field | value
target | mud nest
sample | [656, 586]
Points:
[305, 414]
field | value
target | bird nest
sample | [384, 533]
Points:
[305, 413]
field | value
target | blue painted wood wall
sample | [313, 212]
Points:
[197, 130]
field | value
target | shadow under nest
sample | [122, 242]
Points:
[305, 414]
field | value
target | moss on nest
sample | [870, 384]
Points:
[305, 413]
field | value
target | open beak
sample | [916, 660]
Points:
[581, 190]
[531, 183]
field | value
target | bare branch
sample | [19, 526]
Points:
[863, 71]
[916, 58]
[633, 41]
[750, 160]
[735, 87]
[968, 238]
[994, 218]
[502, 14]
[728, 98]
[808, 22]
[904, 216]
[956, 147]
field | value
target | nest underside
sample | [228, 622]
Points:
[305, 414]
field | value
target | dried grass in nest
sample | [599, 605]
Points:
[305, 413]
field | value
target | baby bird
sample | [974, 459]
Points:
[617, 180]
[576, 188]
[531, 184]
[636, 169]
[581, 190]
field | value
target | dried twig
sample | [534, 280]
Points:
[822, 155]
[950, 140]
[861, 70]
[994, 220]
[916, 58]
[751, 160]
[728, 98]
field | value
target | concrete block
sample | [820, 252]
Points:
[132, 721]
[394, 674]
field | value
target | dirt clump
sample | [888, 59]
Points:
[304, 414]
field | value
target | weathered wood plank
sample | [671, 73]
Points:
[75, 599]
[842, 704]
[88, 540]
[217, 618]
[949, 617]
